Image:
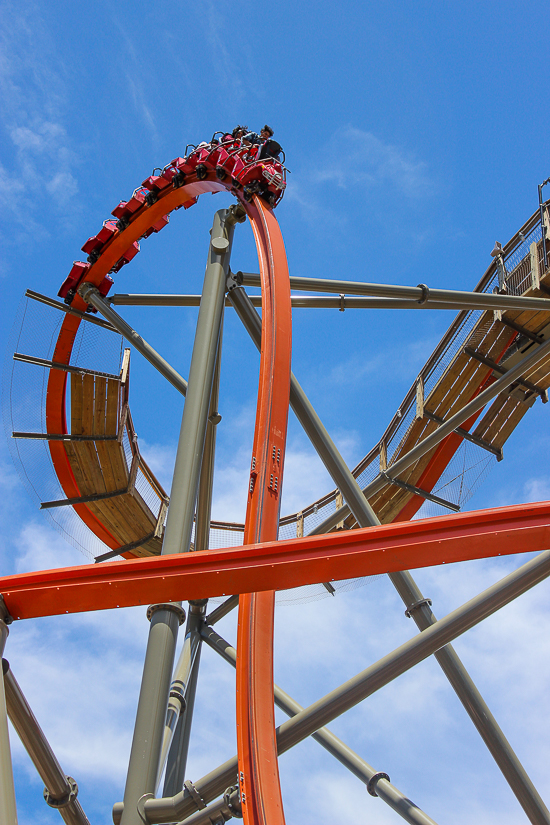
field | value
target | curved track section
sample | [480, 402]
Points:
[258, 771]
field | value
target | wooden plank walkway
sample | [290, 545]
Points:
[99, 406]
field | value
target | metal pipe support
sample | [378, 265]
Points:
[91, 295]
[8, 810]
[61, 791]
[375, 781]
[420, 293]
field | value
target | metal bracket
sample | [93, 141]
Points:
[234, 279]
[195, 795]
[118, 551]
[63, 502]
[65, 800]
[174, 608]
[479, 442]
[342, 303]
[422, 493]
[484, 359]
[237, 213]
[371, 784]
[425, 293]
[232, 799]
[4, 613]
[416, 605]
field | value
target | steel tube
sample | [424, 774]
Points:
[300, 301]
[222, 610]
[357, 502]
[62, 790]
[8, 810]
[480, 300]
[185, 482]
[146, 749]
[91, 295]
[364, 684]
[177, 696]
[204, 498]
[345, 755]
[178, 731]
[177, 755]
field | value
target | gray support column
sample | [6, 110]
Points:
[190, 661]
[92, 296]
[8, 811]
[151, 711]
[61, 791]
[453, 668]
[177, 757]
[385, 670]
[376, 782]
[195, 414]
[159, 658]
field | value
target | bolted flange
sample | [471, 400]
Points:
[232, 799]
[175, 608]
[63, 801]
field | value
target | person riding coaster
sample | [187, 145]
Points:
[252, 160]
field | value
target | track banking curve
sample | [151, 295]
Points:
[258, 767]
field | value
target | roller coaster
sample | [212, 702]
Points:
[161, 550]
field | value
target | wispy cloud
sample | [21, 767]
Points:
[353, 160]
[32, 89]
[367, 162]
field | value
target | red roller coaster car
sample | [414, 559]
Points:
[225, 162]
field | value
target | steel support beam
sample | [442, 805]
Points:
[8, 810]
[222, 610]
[177, 746]
[92, 296]
[146, 749]
[375, 781]
[467, 436]
[357, 502]
[376, 676]
[342, 302]
[421, 293]
[61, 791]
[84, 316]
[179, 716]
[484, 359]
[54, 365]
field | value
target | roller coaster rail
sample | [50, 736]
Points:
[483, 377]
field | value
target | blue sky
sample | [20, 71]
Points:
[416, 135]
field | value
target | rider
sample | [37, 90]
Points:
[254, 137]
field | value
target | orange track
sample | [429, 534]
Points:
[256, 746]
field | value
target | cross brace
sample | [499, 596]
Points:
[280, 565]
[468, 436]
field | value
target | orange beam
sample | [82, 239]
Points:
[280, 565]
[256, 741]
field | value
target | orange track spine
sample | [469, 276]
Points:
[256, 745]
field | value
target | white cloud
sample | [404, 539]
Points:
[537, 489]
[33, 111]
[373, 162]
